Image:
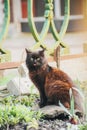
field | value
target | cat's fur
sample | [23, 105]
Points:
[52, 83]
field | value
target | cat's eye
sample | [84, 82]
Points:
[38, 59]
[31, 59]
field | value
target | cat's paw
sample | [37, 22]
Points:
[66, 104]
[41, 104]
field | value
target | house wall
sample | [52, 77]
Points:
[78, 14]
[17, 14]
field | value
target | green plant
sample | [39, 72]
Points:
[33, 124]
[83, 127]
[83, 91]
[71, 112]
[17, 114]
[14, 110]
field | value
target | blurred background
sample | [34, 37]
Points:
[19, 36]
[19, 21]
[78, 14]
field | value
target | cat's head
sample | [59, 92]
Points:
[35, 60]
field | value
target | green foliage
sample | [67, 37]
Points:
[65, 109]
[23, 100]
[71, 103]
[14, 110]
[15, 114]
[83, 91]
[71, 112]
[83, 127]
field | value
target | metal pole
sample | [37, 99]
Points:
[6, 21]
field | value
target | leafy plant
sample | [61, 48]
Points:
[14, 110]
[83, 91]
[72, 111]
[83, 127]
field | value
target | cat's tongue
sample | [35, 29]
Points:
[35, 64]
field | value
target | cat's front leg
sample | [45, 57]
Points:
[43, 101]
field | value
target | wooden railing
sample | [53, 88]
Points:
[12, 65]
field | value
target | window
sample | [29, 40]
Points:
[39, 6]
[25, 9]
[76, 7]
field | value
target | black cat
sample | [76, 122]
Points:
[52, 83]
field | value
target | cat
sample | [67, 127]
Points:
[53, 84]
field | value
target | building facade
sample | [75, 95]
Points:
[78, 14]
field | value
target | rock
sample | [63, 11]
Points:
[3, 87]
[53, 111]
[79, 113]
[19, 86]
[23, 71]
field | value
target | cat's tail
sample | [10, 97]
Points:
[78, 99]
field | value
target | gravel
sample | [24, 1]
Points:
[46, 125]
[51, 125]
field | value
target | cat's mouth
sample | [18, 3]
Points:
[35, 64]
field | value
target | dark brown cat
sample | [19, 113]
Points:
[52, 83]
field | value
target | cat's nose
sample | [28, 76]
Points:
[35, 61]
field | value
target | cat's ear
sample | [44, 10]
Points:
[27, 51]
[41, 53]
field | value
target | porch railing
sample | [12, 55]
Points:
[49, 23]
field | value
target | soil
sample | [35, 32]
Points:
[46, 125]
